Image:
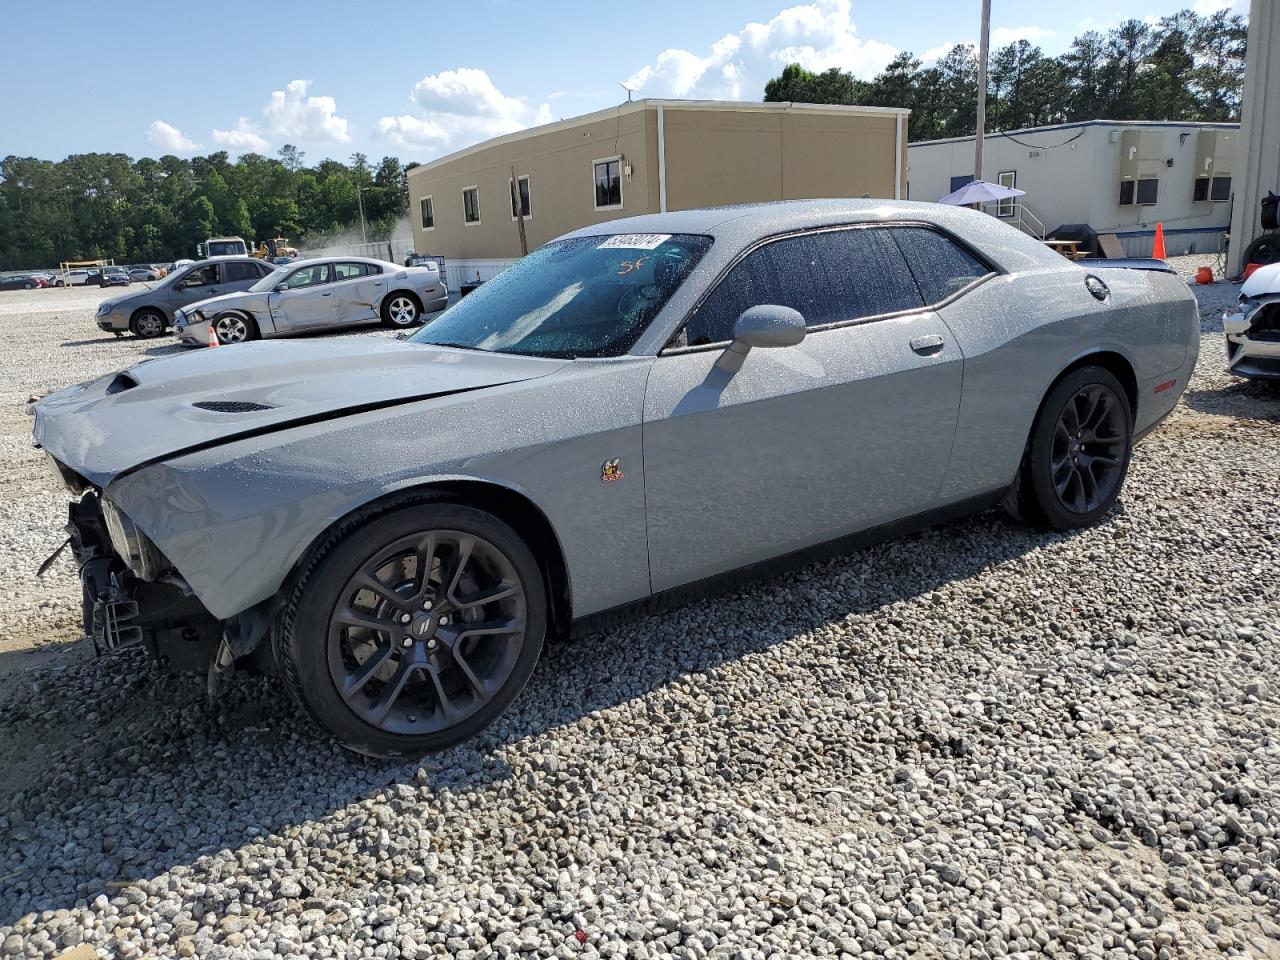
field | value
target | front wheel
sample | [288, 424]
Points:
[412, 630]
[401, 310]
[1079, 452]
[147, 324]
[234, 328]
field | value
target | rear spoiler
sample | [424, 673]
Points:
[1129, 263]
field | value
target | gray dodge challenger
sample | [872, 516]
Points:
[632, 414]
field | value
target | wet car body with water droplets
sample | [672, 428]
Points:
[633, 414]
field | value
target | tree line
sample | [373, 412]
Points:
[1183, 67]
[107, 206]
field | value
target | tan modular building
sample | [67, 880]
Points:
[1118, 177]
[647, 156]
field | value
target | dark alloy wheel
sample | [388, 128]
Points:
[1079, 451]
[147, 324]
[1089, 449]
[417, 629]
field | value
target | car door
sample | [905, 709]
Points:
[304, 300]
[201, 282]
[849, 429]
[358, 291]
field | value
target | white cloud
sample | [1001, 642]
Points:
[243, 138]
[818, 35]
[169, 138]
[1003, 36]
[934, 54]
[290, 115]
[455, 108]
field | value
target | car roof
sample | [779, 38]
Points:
[315, 260]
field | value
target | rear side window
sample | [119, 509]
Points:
[941, 266]
[349, 271]
[830, 277]
[241, 270]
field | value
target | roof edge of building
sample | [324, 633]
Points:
[634, 106]
[995, 135]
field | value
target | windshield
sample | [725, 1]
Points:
[581, 297]
[269, 281]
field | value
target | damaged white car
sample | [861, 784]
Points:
[1253, 327]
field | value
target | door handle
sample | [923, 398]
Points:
[928, 344]
[329, 294]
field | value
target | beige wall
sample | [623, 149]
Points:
[714, 155]
[1257, 163]
[561, 188]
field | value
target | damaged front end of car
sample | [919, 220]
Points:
[1252, 327]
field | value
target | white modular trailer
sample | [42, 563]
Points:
[1119, 178]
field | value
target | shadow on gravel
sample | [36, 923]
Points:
[89, 342]
[1254, 399]
[92, 750]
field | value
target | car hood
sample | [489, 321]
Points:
[1263, 281]
[165, 407]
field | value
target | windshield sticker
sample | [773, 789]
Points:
[626, 266]
[635, 241]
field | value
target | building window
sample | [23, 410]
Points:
[1007, 178]
[471, 205]
[1143, 192]
[608, 183]
[1200, 192]
[960, 181]
[1221, 189]
[428, 215]
[526, 210]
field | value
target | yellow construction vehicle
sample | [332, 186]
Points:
[275, 249]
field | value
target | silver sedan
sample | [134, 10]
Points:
[308, 295]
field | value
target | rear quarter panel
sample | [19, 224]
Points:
[1020, 330]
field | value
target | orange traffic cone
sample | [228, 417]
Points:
[1157, 250]
[213, 336]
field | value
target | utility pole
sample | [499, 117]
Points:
[364, 233]
[518, 208]
[984, 43]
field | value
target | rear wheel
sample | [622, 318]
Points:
[1079, 452]
[234, 328]
[401, 309]
[412, 630]
[147, 324]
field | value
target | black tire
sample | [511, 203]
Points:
[1069, 478]
[402, 309]
[317, 652]
[234, 327]
[28, 285]
[148, 323]
[1265, 250]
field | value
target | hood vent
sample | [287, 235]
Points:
[231, 406]
[121, 383]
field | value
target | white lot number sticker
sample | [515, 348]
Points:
[635, 241]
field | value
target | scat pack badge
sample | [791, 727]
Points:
[611, 470]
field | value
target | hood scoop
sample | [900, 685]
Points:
[232, 406]
[121, 382]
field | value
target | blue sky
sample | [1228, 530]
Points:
[421, 79]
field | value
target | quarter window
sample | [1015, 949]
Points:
[471, 205]
[525, 210]
[608, 183]
[829, 277]
[940, 265]
[428, 215]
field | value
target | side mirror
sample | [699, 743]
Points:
[767, 326]
[281, 287]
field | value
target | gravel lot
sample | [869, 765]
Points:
[980, 741]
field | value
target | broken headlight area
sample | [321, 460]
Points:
[131, 595]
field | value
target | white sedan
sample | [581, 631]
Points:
[308, 295]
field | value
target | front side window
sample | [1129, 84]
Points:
[525, 210]
[471, 205]
[608, 182]
[311, 276]
[201, 277]
[940, 265]
[830, 277]
[428, 215]
[579, 297]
